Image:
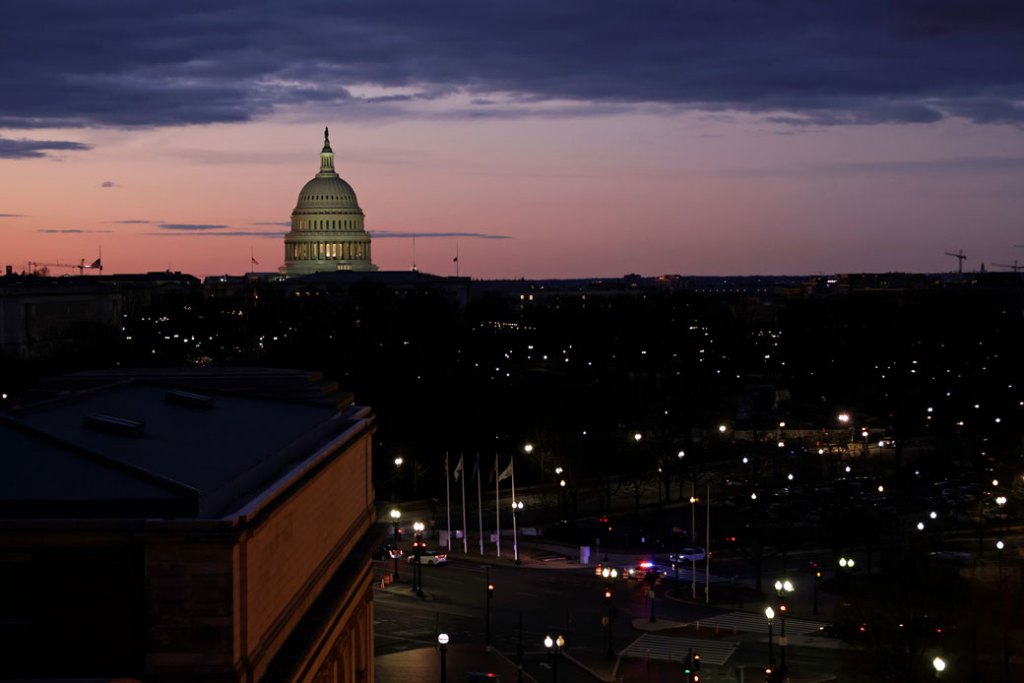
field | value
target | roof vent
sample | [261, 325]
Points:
[187, 398]
[112, 424]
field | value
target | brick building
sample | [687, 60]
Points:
[160, 534]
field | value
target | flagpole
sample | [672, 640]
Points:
[707, 551]
[480, 504]
[515, 533]
[448, 499]
[465, 540]
[456, 259]
[497, 505]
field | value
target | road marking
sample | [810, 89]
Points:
[672, 649]
[755, 622]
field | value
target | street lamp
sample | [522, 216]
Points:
[637, 437]
[399, 461]
[417, 548]
[516, 506]
[782, 588]
[395, 515]
[442, 646]
[554, 647]
[769, 614]
[940, 665]
[609, 595]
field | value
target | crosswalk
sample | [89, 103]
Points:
[755, 622]
[672, 649]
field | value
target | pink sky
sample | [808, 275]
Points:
[577, 196]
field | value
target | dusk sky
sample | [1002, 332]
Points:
[539, 138]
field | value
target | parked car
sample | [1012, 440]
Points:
[387, 551]
[688, 555]
[429, 557]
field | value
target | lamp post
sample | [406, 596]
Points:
[782, 588]
[846, 563]
[769, 614]
[417, 548]
[442, 646]
[517, 505]
[395, 515]
[609, 593]
[554, 647]
[939, 664]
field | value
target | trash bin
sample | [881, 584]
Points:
[584, 554]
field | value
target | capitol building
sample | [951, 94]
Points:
[327, 225]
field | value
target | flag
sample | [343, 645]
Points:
[458, 468]
[254, 261]
[476, 467]
[506, 473]
[455, 260]
[96, 264]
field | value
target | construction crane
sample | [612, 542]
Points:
[81, 266]
[959, 256]
[1015, 268]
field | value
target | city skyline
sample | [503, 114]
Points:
[533, 141]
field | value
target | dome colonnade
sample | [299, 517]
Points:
[327, 225]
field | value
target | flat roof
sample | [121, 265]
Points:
[227, 450]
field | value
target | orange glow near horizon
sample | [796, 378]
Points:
[575, 197]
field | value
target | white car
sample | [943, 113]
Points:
[428, 557]
[688, 555]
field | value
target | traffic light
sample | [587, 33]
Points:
[607, 596]
[490, 591]
[695, 677]
[783, 608]
[688, 665]
[768, 674]
[696, 663]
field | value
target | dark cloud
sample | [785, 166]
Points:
[135, 222]
[32, 149]
[10, 215]
[199, 232]
[280, 224]
[191, 226]
[388, 234]
[108, 183]
[67, 230]
[801, 62]
[916, 167]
